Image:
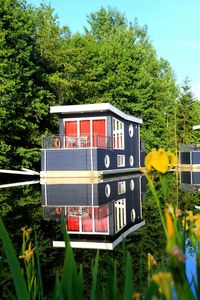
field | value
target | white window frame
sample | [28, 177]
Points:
[121, 187]
[85, 119]
[120, 214]
[120, 160]
[93, 222]
[118, 133]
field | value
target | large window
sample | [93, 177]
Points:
[85, 132]
[92, 220]
[118, 134]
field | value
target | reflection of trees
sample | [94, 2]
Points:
[21, 206]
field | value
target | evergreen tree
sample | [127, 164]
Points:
[184, 113]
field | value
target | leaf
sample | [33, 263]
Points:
[19, 282]
[94, 286]
[128, 284]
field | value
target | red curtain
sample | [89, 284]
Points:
[73, 224]
[99, 132]
[71, 128]
[85, 130]
[101, 225]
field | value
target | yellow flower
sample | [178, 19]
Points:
[190, 216]
[196, 231]
[26, 232]
[28, 254]
[164, 280]
[160, 161]
[197, 226]
[170, 230]
[136, 296]
[151, 261]
[185, 224]
[172, 159]
[170, 224]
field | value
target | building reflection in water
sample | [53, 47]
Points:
[99, 214]
[190, 180]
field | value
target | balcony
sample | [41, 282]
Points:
[193, 147]
[72, 142]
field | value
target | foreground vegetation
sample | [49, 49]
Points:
[165, 279]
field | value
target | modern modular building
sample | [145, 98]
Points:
[93, 140]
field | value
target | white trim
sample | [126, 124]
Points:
[45, 160]
[99, 107]
[99, 245]
[120, 214]
[45, 195]
[118, 134]
[196, 127]
[6, 185]
[91, 119]
[120, 160]
[139, 141]
[121, 186]
[140, 189]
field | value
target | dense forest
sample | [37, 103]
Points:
[44, 64]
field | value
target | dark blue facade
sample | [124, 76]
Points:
[93, 159]
[94, 195]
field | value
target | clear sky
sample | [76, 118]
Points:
[173, 28]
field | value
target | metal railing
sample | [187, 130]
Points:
[70, 142]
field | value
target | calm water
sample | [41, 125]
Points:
[96, 213]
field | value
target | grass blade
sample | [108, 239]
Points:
[19, 282]
[128, 284]
[38, 271]
[94, 287]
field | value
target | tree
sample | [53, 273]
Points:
[116, 63]
[24, 101]
[184, 113]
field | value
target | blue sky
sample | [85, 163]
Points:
[173, 28]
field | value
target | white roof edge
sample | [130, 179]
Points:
[92, 108]
[100, 245]
[196, 127]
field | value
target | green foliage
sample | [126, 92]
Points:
[24, 101]
[43, 64]
[185, 114]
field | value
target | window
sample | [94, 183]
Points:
[131, 130]
[120, 160]
[131, 160]
[132, 185]
[107, 190]
[133, 215]
[107, 161]
[93, 220]
[118, 134]
[85, 132]
[120, 214]
[121, 187]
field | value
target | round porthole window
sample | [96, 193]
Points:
[107, 190]
[131, 160]
[107, 161]
[132, 184]
[131, 130]
[133, 215]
